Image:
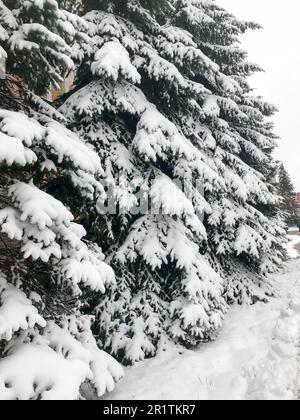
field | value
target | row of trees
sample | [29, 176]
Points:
[161, 100]
[289, 205]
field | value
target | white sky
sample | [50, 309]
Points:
[276, 49]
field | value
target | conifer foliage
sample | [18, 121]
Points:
[136, 209]
[163, 97]
[47, 347]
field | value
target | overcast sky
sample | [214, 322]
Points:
[276, 48]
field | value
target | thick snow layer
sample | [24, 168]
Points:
[113, 59]
[45, 374]
[12, 151]
[18, 133]
[38, 207]
[255, 356]
[69, 147]
[16, 311]
[54, 363]
[45, 227]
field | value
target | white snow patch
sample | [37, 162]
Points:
[290, 246]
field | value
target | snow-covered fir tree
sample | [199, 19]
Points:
[142, 199]
[47, 268]
[287, 193]
[163, 96]
[245, 227]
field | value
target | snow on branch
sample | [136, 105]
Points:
[21, 137]
[51, 364]
[55, 364]
[113, 60]
[16, 311]
[156, 136]
[12, 151]
[47, 231]
[38, 372]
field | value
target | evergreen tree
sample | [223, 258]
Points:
[163, 97]
[47, 269]
[287, 192]
[246, 223]
[160, 158]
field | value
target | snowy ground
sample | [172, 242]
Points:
[293, 247]
[255, 356]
